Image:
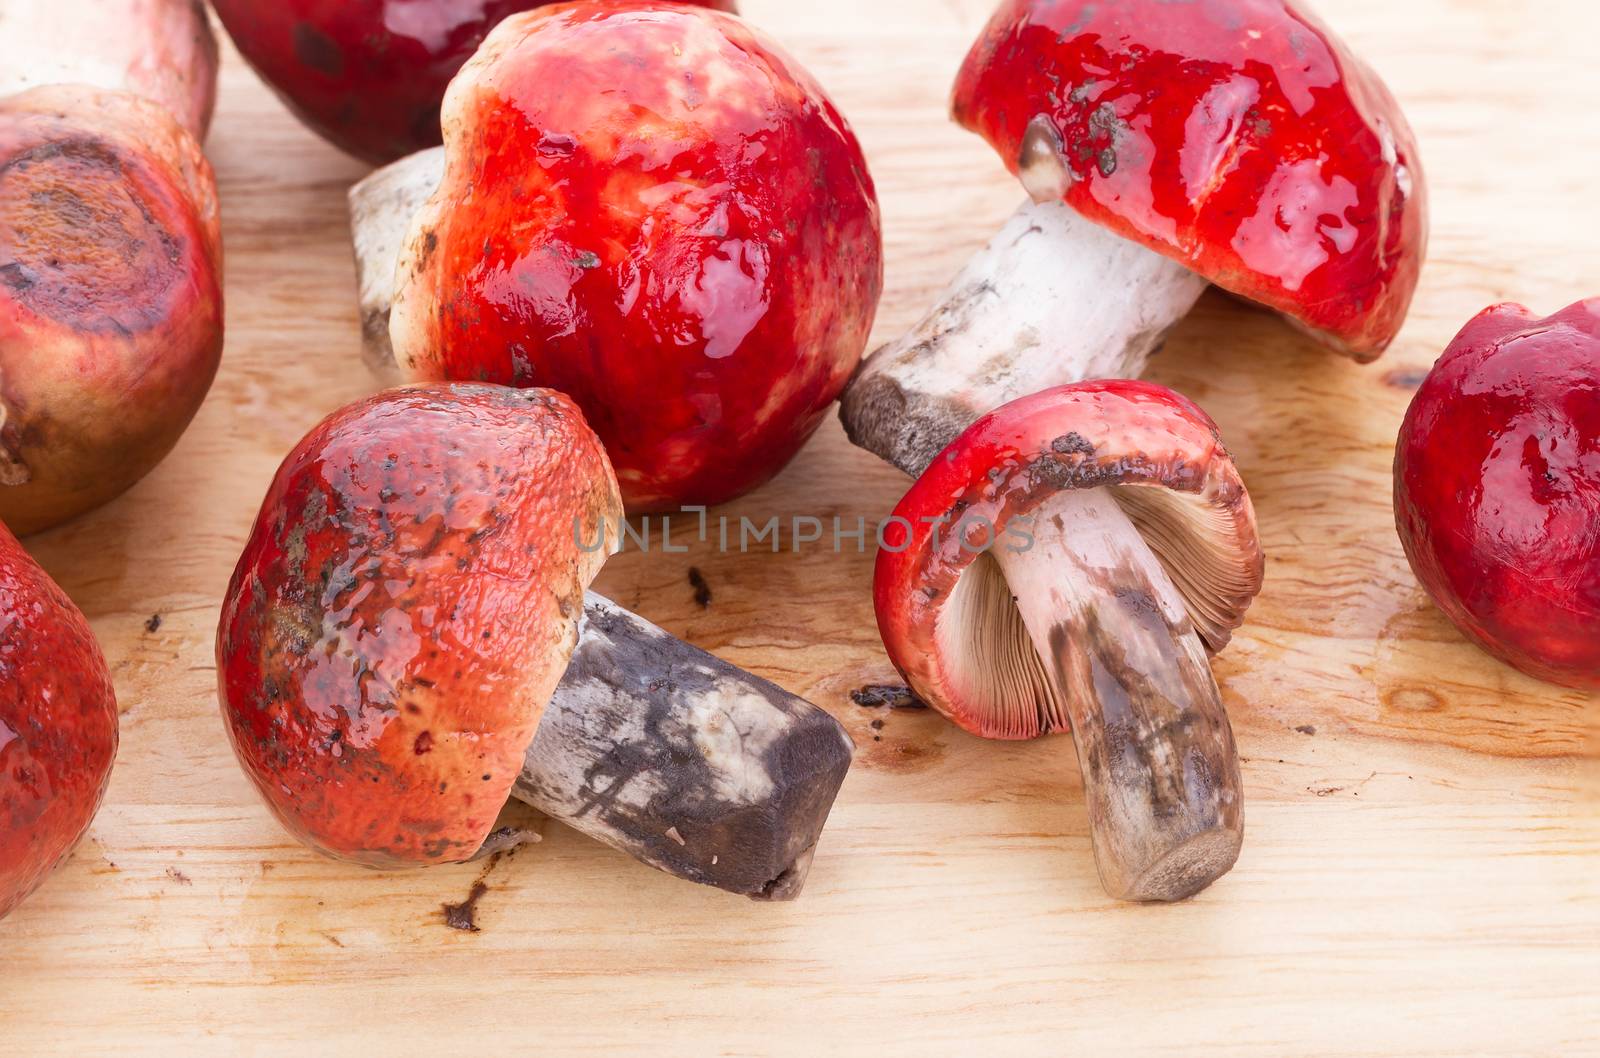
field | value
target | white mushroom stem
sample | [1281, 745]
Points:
[163, 50]
[381, 209]
[1120, 661]
[1053, 299]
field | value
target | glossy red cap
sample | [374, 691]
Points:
[406, 604]
[1238, 137]
[649, 207]
[1172, 476]
[1497, 488]
[58, 724]
[368, 75]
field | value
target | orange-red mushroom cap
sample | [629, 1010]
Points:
[407, 602]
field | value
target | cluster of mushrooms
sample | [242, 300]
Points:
[625, 255]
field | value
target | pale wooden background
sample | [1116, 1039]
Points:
[1421, 876]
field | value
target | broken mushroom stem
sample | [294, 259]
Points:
[683, 761]
[1052, 299]
[1118, 662]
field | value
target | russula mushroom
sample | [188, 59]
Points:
[163, 50]
[110, 296]
[1497, 488]
[1163, 146]
[651, 208]
[406, 644]
[1068, 562]
[58, 724]
[368, 75]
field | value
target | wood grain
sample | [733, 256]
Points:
[1421, 872]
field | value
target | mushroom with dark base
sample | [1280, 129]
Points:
[406, 644]
[1070, 561]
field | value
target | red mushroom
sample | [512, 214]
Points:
[1497, 488]
[163, 50]
[651, 208]
[1164, 146]
[1067, 563]
[58, 725]
[369, 75]
[110, 296]
[396, 630]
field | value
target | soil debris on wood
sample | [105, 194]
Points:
[178, 876]
[464, 916]
[1306, 729]
[153, 625]
[702, 589]
[886, 696]
[1406, 378]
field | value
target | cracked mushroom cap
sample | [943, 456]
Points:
[406, 604]
[652, 208]
[946, 614]
[58, 724]
[1239, 137]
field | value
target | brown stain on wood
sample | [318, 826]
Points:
[464, 916]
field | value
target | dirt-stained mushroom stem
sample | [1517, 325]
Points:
[1123, 667]
[1053, 299]
[683, 761]
[1074, 558]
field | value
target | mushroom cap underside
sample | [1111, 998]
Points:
[1158, 454]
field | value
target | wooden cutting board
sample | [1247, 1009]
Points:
[1422, 868]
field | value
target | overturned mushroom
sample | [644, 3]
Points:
[406, 644]
[58, 724]
[1164, 146]
[652, 208]
[111, 310]
[163, 50]
[1067, 563]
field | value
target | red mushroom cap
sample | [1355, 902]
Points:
[651, 208]
[1170, 473]
[1238, 137]
[58, 724]
[369, 75]
[1497, 488]
[405, 607]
